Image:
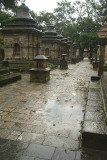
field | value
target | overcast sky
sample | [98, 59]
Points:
[41, 5]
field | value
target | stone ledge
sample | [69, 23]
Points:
[94, 130]
[3, 71]
[9, 79]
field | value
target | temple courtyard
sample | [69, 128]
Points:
[43, 121]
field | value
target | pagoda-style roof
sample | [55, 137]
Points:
[64, 40]
[50, 34]
[22, 22]
[69, 42]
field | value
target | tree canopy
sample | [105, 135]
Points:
[9, 4]
[78, 20]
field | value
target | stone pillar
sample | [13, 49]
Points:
[101, 60]
[63, 62]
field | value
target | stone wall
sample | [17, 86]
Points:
[53, 49]
[28, 45]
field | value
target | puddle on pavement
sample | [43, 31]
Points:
[57, 109]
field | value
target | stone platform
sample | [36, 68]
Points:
[7, 78]
[43, 121]
[94, 133]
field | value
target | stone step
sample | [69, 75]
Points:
[94, 134]
[7, 79]
[20, 69]
[3, 71]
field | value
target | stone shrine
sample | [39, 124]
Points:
[63, 62]
[50, 43]
[40, 72]
[22, 38]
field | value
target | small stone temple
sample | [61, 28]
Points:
[40, 73]
[22, 38]
[50, 43]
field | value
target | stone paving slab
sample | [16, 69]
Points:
[93, 116]
[94, 128]
[94, 84]
[61, 154]
[93, 108]
[40, 151]
[46, 117]
[94, 94]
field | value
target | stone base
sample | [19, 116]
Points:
[95, 78]
[63, 64]
[9, 78]
[39, 75]
[74, 60]
[95, 64]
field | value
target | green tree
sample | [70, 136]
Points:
[43, 18]
[87, 29]
[9, 4]
[63, 14]
[5, 18]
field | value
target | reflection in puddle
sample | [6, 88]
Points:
[57, 109]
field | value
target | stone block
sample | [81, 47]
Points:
[93, 116]
[95, 78]
[39, 75]
[39, 151]
[93, 136]
[62, 154]
[94, 94]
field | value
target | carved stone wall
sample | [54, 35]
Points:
[29, 45]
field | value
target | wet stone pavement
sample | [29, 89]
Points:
[43, 121]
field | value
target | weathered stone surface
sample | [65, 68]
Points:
[7, 79]
[94, 94]
[62, 154]
[92, 108]
[67, 143]
[93, 102]
[39, 151]
[94, 84]
[54, 141]
[40, 111]
[94, 131]
[4, 133]
[26, 158]
[94, 127]
[93, 116]
[32, 137]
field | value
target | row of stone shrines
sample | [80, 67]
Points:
[23, 39]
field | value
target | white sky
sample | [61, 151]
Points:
[42, 5]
